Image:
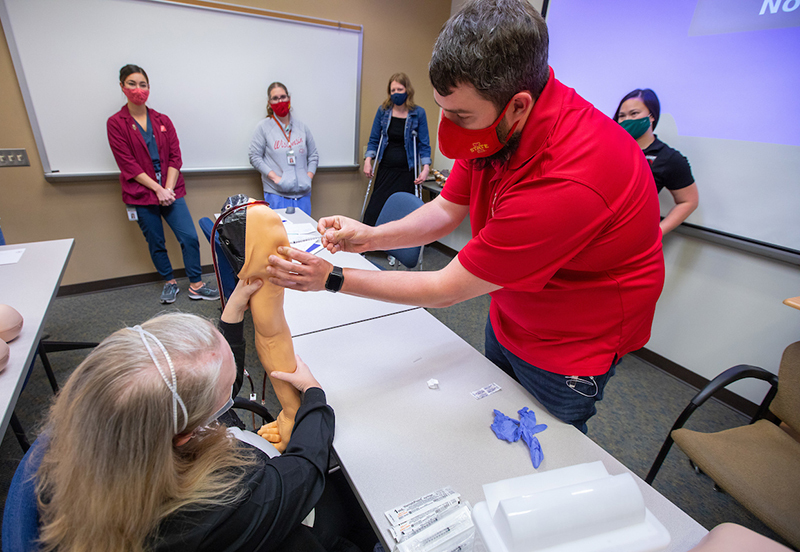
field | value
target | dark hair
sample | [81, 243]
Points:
[497, 46]
[403, 79]
[129, 70]
[649, 99]
[270, 88]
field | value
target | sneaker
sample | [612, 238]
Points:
[169, 293]
[204, 292]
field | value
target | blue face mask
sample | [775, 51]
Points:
[399, 99]
[636, 127]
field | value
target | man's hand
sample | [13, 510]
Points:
[309, 273]
[344, 234]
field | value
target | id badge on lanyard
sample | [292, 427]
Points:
[291, 159]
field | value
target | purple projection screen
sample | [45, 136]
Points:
[727, 73]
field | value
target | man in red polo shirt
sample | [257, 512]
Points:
[563, 210]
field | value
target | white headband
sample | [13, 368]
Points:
[173, 387]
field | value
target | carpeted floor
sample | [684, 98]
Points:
[640, 406]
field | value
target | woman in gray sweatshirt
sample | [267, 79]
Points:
[284, 152]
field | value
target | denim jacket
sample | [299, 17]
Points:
[416, 121]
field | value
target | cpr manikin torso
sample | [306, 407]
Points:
[264, 233]
[10, 327]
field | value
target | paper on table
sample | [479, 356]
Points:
[11, 256]
[303, 236]
[302, 228]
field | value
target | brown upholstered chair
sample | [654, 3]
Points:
[757, 464]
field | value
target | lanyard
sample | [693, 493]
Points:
[289, 137]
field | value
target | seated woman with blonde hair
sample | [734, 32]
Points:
[132, 457]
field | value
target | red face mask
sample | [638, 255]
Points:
[137, 96]
[462, 143]
[281, 109]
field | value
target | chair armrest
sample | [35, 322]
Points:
[252, 406]
[736, 373]
[729, 376]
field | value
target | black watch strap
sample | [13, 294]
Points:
[335, 279]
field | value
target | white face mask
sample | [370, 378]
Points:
[219, 412]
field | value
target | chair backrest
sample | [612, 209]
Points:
[396, 207]
[20, 515]
[786, 404]
[226, 272]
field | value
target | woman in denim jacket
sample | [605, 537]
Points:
[398, 124]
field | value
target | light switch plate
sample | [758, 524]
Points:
[14, 158]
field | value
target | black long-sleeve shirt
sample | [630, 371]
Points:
[281, 491]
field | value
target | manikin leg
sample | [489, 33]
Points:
[264, 234]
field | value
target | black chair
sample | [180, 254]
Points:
[396, 207]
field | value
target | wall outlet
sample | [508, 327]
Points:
[14, 158]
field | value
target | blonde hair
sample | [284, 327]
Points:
[403, 79]
[111, 472]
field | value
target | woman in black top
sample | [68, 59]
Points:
[638, 113]
[132, 457]
[400, 127]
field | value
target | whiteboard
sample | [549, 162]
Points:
[727, 76]
[208, 70]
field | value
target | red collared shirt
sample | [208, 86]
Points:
[133, 158]
[569, 228]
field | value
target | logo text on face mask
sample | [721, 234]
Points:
[479, 147]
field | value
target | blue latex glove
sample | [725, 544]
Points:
[528, 429]
[505, 428]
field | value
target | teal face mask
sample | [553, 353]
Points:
[636, 127]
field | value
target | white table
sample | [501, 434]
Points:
[308, 312]
[397, 439]
[29, 286]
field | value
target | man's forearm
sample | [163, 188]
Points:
[436, 289]
[427, 224]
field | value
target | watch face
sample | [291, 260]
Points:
[335, 280]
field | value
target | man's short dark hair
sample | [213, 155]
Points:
[497, 46]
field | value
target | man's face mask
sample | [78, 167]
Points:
[462, 143]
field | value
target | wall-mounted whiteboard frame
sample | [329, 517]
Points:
[67, 57]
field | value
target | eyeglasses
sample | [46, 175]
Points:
[275, 99]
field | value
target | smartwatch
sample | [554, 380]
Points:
[335, 280]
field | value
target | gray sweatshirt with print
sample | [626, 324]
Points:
[268, 152]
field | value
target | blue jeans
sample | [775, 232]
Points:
[180, 220]
[279, 202]
[571, 399]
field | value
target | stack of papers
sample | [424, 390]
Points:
[436, 522]
[303, 236]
